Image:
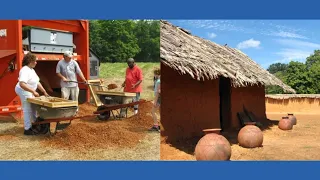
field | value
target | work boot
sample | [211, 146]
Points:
[30, 132]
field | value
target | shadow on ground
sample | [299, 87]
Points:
[188, 145]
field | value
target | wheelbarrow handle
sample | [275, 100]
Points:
[88, 84]
[78, 82]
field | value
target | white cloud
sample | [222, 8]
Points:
[262, 27]
[251, 43]
[212, 35]
[287, 35]
[298, 44]
[288, 55]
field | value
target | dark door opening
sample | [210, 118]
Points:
[225, 102]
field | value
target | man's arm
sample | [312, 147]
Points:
[79, 72]
[124, 82]
[140, 77]
[58, 68]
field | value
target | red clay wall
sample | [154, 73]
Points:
[296, 105]
[187, 106]
[252, 97]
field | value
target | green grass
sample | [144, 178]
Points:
[115, 73]
[117, 70]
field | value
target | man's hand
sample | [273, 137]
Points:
[133, 86]
[65, 79]
[123, 85]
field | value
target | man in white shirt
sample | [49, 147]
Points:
[67, 69]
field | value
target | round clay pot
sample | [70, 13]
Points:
[209, 131]
[250, 136]
[285, 123]
[292, 118]
[213, 147]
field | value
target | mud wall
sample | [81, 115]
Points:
[252, 97]
[293, 105]
[188, 106]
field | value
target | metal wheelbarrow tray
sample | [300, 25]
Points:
[53, 108]
[110, 98]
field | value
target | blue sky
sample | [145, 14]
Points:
[264, 41]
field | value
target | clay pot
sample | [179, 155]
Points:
[213, 147]
[292, 118]
[285, 123]
[250, 136]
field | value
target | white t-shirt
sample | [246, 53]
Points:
[29, 76]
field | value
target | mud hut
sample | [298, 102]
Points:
[204, 85]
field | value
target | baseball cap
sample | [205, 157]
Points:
[68, 54]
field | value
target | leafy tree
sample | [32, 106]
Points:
[277, 67]
[118, 40]
[315, 57]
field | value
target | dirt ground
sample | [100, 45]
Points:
[301, 143]
[85, 139]
[88, 139]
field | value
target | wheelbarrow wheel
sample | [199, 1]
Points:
[105, 115]
[42, 128]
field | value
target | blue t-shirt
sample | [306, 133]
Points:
[156, 86]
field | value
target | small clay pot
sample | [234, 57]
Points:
[209, 131]
[292, 118]
[285, 123]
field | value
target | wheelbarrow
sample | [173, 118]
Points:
[52, 108]
[65, 110]
[112, 99]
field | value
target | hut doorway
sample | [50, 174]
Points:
[225, 102]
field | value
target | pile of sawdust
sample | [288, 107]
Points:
[112, 86]
[86, 109]
[86, 135]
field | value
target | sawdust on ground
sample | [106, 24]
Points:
[91, 134]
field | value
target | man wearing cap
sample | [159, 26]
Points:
[133, 80]
[67, 69]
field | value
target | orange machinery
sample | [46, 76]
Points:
[48, 55]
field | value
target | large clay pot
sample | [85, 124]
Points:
[213, 147]
[292, 118]
[285, 123]
[250, 136]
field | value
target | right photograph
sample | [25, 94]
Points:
[240, 90]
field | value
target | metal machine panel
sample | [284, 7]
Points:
[48, 41]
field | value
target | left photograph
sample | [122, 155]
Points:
[79, 90]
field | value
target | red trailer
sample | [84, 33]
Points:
[47, 39]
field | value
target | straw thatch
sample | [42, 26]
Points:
[292, 96]
[203, 59]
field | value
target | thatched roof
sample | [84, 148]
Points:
[205, 60]
[292, 96]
